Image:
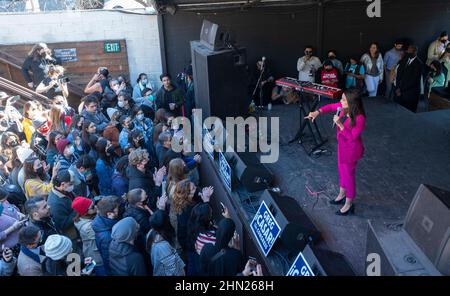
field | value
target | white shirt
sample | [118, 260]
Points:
[305, 69]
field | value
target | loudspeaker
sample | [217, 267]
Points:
[215, 37]
[220, 81]
[297, 230]
[327, 263]
[428, 224]
[253, 175]
[391, 251]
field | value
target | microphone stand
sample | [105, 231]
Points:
[263, 68]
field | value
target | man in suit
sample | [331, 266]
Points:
[408, 79]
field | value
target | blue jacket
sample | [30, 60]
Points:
[119, 184]
[102, 227]
[104, 173]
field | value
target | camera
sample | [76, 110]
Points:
[63, 79]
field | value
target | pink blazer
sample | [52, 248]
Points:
[350, 145]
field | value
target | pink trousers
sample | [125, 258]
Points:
[347, 173]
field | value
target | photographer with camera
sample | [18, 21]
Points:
[55, 83]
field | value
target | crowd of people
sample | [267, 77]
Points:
[103, 183]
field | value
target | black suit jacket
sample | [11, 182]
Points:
[408, 76]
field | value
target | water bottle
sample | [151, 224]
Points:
[269, 107]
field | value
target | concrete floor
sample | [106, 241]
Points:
[403, 150]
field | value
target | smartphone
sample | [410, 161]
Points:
[253, 262]
[89, 267]
[222, 206]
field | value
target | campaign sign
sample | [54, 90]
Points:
[225, 171]
[300, 267]
[265, 228]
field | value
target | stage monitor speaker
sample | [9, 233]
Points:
[247, 169]
[297, 230]
[428, 224]
[220, 81]
[327, 263]
[396, 252]
[215, 37]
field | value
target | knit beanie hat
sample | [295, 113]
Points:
[125, 230]
[57, 246]
[38, 122]
[81, 205]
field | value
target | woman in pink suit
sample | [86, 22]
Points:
[350, 124]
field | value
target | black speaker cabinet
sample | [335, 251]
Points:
[215, 37]
[253, 175]
[395, 251]
[220, 81]
[297, 230]
[428, 224]
[327, 263]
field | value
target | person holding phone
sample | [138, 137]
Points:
[7, 262]
[224, 257]
[99, 82]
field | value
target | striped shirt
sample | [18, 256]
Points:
[207, 237]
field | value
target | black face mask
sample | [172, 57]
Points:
[131, 126]
[110, 150]
[13, 143]
[141, 142]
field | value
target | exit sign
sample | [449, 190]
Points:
[112, 47]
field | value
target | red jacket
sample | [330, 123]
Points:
[350, 144]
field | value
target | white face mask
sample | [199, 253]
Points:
[140, 117]
[70, 188]
[121, 104]
[71, 150]
[144, 82]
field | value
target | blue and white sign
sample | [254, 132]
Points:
[300, 267]
[225, 171]
[265, 228]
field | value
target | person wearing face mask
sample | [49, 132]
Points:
[38, 182]
[39, 142]
[437, 48]
[336, 63]
[141, 83]
[137, 140]
[82, 171]
[408, 80]
[66, 155]
[308, 65]
[142, 123]
[124, 103]
[60, 202]
[31, 256]
[37, 61]
[127, 126]
[125, 85]
[104, 166]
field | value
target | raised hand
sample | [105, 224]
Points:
[206, 193]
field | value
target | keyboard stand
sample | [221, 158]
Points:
[305, 107]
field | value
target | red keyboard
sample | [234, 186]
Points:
[311, 88]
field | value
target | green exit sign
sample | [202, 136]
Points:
[112, 47]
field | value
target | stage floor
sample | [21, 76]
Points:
[403, 150]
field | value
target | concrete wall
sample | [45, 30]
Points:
[140, 32]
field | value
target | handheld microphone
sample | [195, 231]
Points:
[263, 61]
[337, 113]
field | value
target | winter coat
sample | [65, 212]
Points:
[125, 260]
[102, 227]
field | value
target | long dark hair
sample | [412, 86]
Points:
[438, 67]
[74, 124]
[52, 140]
[200, 221]
[378, 49]
[101, 150]
[355, 104]
[85, 134]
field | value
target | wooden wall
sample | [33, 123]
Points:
[90, 56]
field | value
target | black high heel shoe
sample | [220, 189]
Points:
[334, 202]
[349, 211]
